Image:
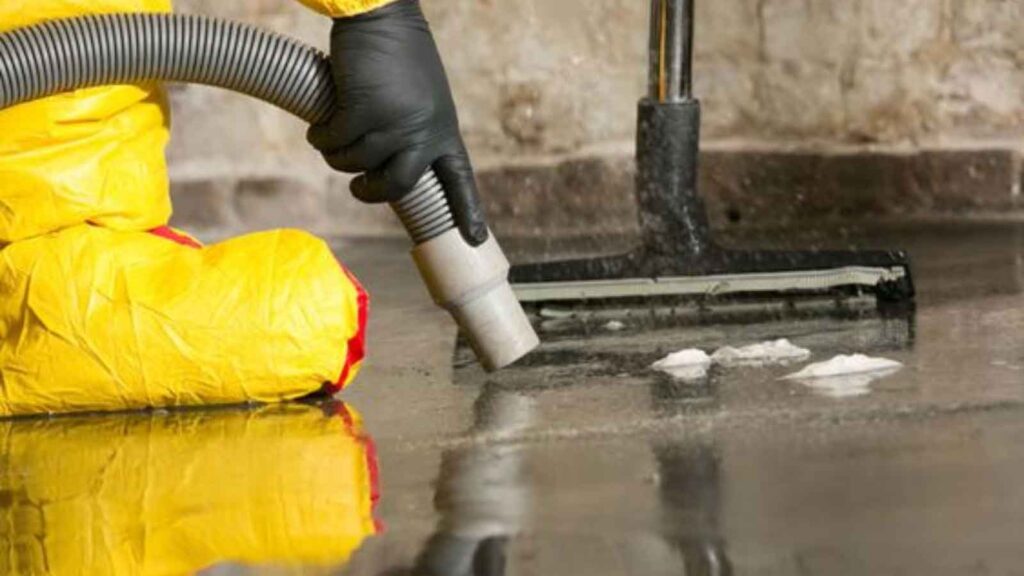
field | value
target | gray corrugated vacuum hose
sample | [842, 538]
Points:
[62, 55]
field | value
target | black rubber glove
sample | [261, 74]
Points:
[396, 116]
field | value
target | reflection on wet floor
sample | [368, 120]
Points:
[482, 496]
[689, 483]
[483, 493]
[690, 490]
[173, 493]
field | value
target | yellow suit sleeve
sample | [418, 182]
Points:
[343, 8]
[94, 155]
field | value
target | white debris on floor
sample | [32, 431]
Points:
[840, 377]
[685, 365]
[779, 352]
[1008, 365]
[615, 326]
[846, 376]
[693, 364]
[845, 366]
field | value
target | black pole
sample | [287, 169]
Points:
[672, 215]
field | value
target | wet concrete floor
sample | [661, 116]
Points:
[580, 461]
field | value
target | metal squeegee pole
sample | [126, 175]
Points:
[673, 219]
[670, 76]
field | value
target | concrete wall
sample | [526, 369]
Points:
[925, 97]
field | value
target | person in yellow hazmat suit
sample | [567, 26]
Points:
[104, 307]
[167, 494]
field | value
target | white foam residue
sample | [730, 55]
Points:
[687, 365]
[615, 326]
[846, 376]
[779, 352]
[845, 366]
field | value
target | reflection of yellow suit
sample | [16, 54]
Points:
[176, 493]
[103, 307]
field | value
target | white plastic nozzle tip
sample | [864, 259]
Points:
[472, 284]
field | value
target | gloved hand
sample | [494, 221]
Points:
[396, 116]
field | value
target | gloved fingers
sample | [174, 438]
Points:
[340, 130]
[360, 188]
[456, 175]
[367, 154]
[396, 179]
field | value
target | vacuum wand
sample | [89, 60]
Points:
[62, 55]
[470, 282]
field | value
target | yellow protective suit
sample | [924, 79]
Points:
[103, 307]
[145, 494]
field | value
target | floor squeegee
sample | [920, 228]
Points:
[677, 260]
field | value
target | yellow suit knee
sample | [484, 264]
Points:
[97, 319]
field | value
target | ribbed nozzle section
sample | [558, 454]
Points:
[424, 212]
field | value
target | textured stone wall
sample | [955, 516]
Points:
[541, 81]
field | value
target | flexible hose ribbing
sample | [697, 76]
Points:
[89, 51]
[425, 213]
[63, 55]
